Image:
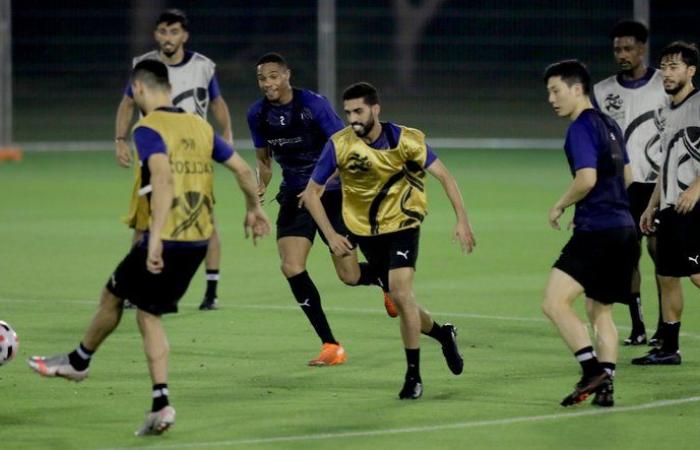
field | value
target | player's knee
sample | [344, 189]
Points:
[348, 277]
[290, 269]
[400, 295]
[550, 308]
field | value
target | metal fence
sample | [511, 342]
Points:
[461, 69]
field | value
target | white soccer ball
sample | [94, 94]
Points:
[9, 343]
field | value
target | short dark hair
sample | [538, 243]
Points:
[151, 72]
[637, 30]
[363, 90]
[571, 71]
[272, 57]
[171, 16]
[687, 50]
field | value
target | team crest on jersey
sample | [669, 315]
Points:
[613, 102]
[359, 163]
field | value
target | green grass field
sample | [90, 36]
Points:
[238, 375]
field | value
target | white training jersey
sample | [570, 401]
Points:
[189, 80]
[635, 106]
[680, 140]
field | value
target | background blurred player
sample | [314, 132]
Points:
[195, 89]
[633, 97]
[176, 149]
[382, 169]
[292, 125]
[599, 258]
[676, 197]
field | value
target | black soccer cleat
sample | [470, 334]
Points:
[412, 389]
[585, 387]
[604, 396]
[450, 350]
[658, 357]
[209, 304]
[636, 339]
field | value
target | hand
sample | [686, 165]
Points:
[465, 236]
[688, 199]
[154, 261]
[339, 245]
[554, 215]
[256, 224]
[123, 153]
[646, 221]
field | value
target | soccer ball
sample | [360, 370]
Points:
[9, 343]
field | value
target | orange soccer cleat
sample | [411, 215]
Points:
[331, 355]
[390, 306]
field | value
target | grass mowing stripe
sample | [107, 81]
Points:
[423, 429]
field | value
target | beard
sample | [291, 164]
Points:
[366, 127]
[676, 89]
[172, 50]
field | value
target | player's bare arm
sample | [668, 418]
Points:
[311, 198]
[646, 220]
[161, 199]
[263, 160]
[463, 231]
[256, 222]
[125, 113]
[221, 113]
[629, 178]
[584, 181]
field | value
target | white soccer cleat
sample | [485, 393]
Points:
[157, 422]
[56, 366]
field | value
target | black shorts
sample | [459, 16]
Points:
[385, 252]
[156, 294]
[639, 195]
[602, 262]
[677, 243]
[295, 221]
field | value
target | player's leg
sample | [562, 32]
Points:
[294, 251]
[655, 339]
[135, 239]
[634, 303]
[672, 310]
[212, 263]
[560, 293]
[605, 332]
[156, 348]
[75, 365]
[401, 289]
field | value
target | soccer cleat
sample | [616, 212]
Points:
[331, 355]
[157, 422]
[209, 304]
[412, 389]
[636, 339]
[450, 350]
[658, 357]
[656, 340]
[390, 306]
[586, 387]
[56, 366]
[604, 396]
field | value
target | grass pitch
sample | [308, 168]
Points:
[238, 375]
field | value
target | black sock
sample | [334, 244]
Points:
[435, 332]
[309, 299]
[660, 322]
[80, 357]
[413, 363]
[670, 336]
[160, 397]
[609, 368]
[212, 283]
[635, 306]
[368, 276]
[589, 362]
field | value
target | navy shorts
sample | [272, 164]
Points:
[295, 221]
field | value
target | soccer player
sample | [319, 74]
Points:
[292, 125]
[195, 89]
[633, 98]
[176, 150]
[599, 258]
[382, 169]
[675, 198]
